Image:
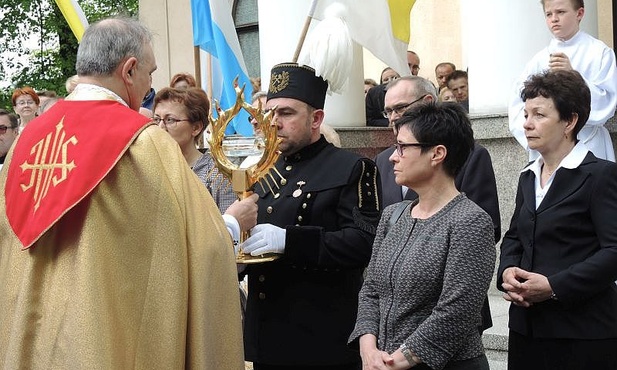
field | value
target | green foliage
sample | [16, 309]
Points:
[52, 61]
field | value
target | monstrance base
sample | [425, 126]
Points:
[247, 259]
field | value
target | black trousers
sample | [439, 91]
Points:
[525, 353]
[357, 366]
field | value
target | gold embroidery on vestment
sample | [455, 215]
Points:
[50, 165]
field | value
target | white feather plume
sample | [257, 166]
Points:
[330, 48]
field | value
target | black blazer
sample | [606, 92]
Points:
[374, 105]
[572, 240]
[476, 180]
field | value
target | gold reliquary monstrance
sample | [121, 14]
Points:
[244, 160]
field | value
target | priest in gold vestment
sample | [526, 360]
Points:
[112, 253]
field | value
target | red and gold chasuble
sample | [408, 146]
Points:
[61, 157]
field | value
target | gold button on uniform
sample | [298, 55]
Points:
[288, 168]
[304, 205]
[277, 195]
[308, 196]
[284, 182]
[269, 209]
[300, 218]
[262, 295]
[262, 278]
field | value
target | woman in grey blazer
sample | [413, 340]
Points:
[429, 271]
[559, 257]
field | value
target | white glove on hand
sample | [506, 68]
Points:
[265, 238]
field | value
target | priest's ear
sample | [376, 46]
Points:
[128, 68]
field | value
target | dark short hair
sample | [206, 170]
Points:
[194, 99]
[444, 124]
[456, 75]
[12, 117]
[567, 89]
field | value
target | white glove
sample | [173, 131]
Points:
[265, 238]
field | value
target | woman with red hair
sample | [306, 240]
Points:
[25, 104]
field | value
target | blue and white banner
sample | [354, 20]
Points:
[214, 32]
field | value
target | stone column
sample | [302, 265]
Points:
[280, 25]
[170, 22]
[498, 38]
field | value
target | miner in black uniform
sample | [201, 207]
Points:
[322, 220]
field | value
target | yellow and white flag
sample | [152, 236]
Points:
[74, 16]
[381, 26]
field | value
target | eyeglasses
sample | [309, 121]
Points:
[400, 146]
[25, 102]
[400, 109]
[3, 128]
[168, 121]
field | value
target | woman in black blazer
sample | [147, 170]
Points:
[558, 260]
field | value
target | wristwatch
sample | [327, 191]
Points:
[408, 355]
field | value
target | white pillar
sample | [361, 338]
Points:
[499, 37]
[280, 24]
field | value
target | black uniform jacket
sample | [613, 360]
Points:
[302, 307]
[572, 240]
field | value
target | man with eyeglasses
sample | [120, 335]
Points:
[476, 179]
[374, 98]
[113, 254]
[8, 133]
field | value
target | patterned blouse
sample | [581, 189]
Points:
[217, 184]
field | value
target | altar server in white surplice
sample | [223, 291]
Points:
[572, 48]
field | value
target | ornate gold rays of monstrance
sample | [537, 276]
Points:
[232, 153]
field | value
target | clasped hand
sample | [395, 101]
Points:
[559, 61]
[265, 238]
[381, 360]
[524, 288]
